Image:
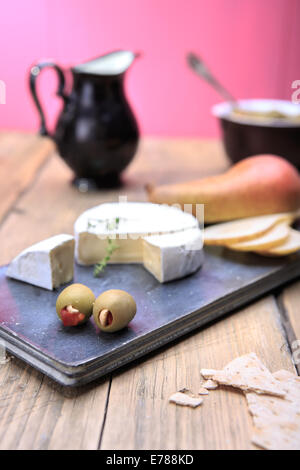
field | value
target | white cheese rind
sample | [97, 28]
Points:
[134, 218]
[173, 256]
[46, 264]
[135, 221]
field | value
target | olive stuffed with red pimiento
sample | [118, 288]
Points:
[113, 310]
[74, 305]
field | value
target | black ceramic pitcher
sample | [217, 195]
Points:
[96, 133]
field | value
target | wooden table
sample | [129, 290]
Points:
[129, 409]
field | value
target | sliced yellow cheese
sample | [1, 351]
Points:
[291, 245]
[244, 229]
[272, 238]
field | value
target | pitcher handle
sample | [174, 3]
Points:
[34, 73]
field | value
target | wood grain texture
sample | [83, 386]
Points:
[289, 302]
[21, 156]
[37, 414]
[138, 400]
[175, 160]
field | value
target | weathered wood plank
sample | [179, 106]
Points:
[139, 415]
[172, 160]
[290, 301]
[19, 387]
[35, 413]
[21, 156]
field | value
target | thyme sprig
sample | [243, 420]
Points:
[110, 249]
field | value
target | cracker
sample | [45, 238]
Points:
[186, 398]
[247, 373]
[277, 420]
[208, 373]
[284, 375]
[210, 384]
[203, 391]
[273, 400]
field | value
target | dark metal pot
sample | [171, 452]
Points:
[244, 137]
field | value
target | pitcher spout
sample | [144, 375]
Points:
[111, 64]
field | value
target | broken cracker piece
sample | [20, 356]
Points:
[186, 398]
[277, 420]
[208, 373]
[284, 375]
[203, 391]
[273, 440]
[210, 384]
[247, 373]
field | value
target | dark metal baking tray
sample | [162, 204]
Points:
[73, 356]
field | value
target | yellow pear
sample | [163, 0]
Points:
[259, 185]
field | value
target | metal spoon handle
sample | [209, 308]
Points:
[201, 69]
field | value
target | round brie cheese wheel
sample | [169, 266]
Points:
[130, 224]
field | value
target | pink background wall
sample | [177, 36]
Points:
[252, 46]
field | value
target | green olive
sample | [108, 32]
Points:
[74, 304]
[113, 310]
